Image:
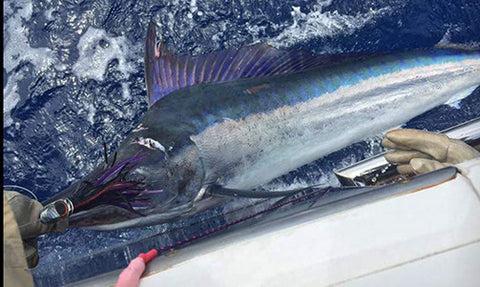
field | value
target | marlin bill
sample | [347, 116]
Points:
[221, 125]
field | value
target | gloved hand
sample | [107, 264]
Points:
[419, 151]
[27, 215]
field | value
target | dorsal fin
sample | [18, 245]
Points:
[166, 71]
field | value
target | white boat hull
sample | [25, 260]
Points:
[425, 237]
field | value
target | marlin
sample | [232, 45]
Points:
[223, 124]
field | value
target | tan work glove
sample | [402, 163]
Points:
[419, 151]
[27, 215]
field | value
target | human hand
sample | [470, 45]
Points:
[418, 152]
[27, 215]
[130, 276]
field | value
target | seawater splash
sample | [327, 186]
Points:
[96, 50]
[11, 97]
[53, 62]
[318, 23]
[17, 50]
[446, 41]
[68, 88]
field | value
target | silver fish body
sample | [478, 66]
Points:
[243, 133]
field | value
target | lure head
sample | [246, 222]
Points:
[53, 212]
[141, 185]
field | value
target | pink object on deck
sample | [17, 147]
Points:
[130, 276]
[147, 257]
